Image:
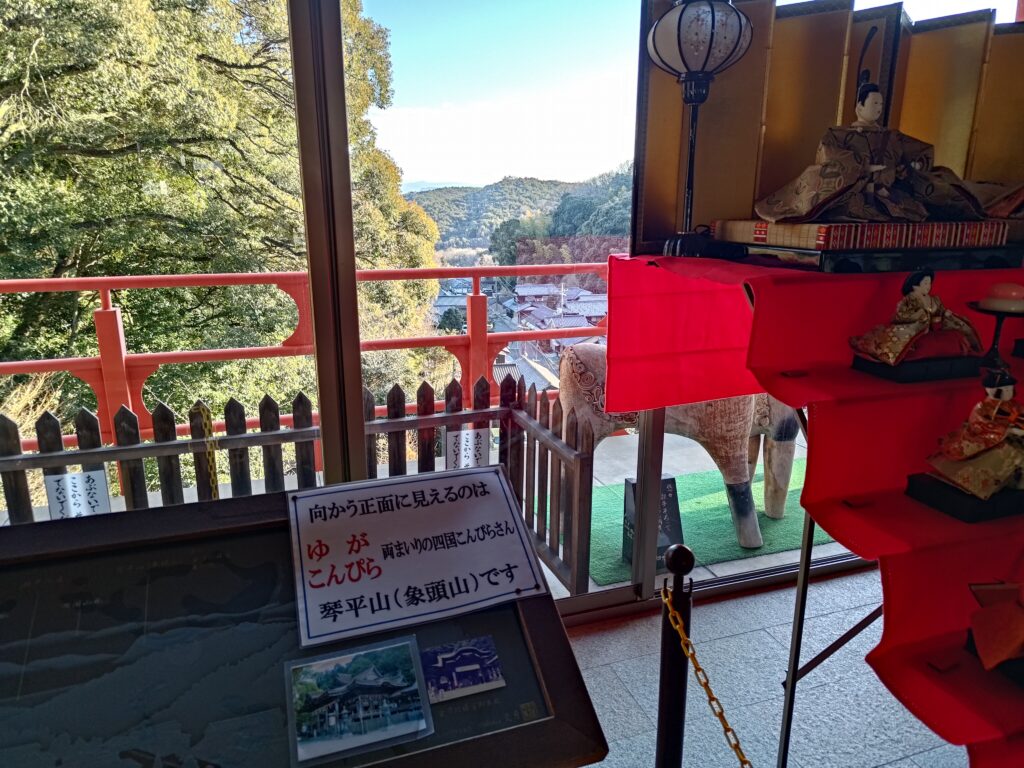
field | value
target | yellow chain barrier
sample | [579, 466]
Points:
[211, 449]
[702, 677]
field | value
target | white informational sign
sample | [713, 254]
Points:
[77, 494]
[468, 448]
[380, 555]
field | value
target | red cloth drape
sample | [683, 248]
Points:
[684, 330]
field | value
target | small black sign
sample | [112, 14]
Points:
[670, 524]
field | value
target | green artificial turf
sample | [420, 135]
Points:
[707, 524]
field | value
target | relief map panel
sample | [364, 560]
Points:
[173, 657]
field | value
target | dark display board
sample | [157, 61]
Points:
[173, 654]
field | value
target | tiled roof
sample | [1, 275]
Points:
[571, 294]
[588, 308]
[568, 322]
[459, 302]
[501, 370]
[537, 290]
[542, 313]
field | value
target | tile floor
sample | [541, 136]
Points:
[845, 718]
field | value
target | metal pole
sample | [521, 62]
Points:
[831, 650]
[799, 611]
[691, 161]
[648, 501]
[674, 665]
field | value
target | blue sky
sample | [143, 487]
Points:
[546, 88]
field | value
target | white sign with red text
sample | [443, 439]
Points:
[379, 555]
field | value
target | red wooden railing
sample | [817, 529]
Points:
[117, 377]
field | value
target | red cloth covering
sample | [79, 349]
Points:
[683, 330]
[674, 335]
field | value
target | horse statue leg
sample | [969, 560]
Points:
[722, 427]
[779, 450]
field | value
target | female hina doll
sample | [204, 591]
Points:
[868, 173]
[922, 328]
[986, 455]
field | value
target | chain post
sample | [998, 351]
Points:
[672, 689]
[671, 726]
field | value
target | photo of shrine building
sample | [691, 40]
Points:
[461, 669]
[361, 704]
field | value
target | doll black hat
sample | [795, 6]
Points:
[865, 85]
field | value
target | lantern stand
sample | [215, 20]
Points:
[694, 41]
[696, 89]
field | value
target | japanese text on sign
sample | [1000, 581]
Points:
[380, 555]
[77, 494]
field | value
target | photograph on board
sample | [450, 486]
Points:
[462, 668]
[357, 701]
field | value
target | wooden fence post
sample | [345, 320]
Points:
[16, 494]
[87, 428]
[481, 400]
[425, 438]
[238, 458]
[51, 440]
[133, 473]
[168, 467]
[397, 460]
[581, 437]
[506, 396]
[584, 504]
[515, 450]
[544, 417]
[530, 498]
[273, 461]
[555, 515]
[567, 501]
[305, 451]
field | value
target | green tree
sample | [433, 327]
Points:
[451, 320]
[506, 241]
[158, 137]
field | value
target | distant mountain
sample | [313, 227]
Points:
[467, 216]
[409, 187]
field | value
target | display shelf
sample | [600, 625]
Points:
[800, 387]
[866, 435]
[892, 523]
[945, 687]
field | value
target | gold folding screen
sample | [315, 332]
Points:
[946, 60]
[954, 82]
[999, 126]
[805, 93]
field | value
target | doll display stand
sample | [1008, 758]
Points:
[892, 260]
[866, 436]
[940, 495]
[913, 371]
